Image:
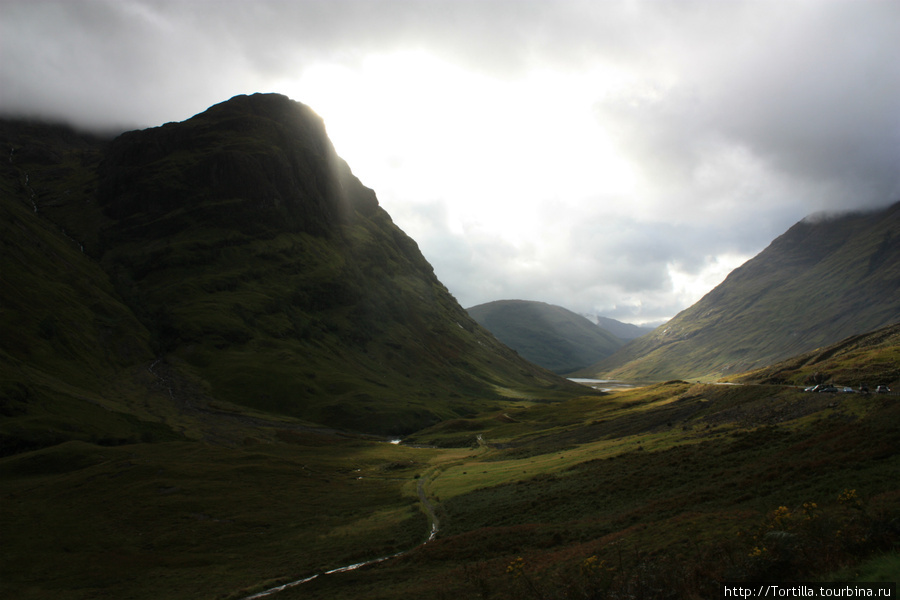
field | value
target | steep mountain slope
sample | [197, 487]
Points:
[823, 280]
[68, 341]
[547, 335]
[238, 248]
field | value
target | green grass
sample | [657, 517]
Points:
[677, 475]
[655, 496]
[870, 359]
[186, 520]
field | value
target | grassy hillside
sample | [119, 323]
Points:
[69, 343]
[547, 335]
[820, 282]
[870, 359]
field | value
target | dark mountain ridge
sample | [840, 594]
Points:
[240, 249]
[823, 280]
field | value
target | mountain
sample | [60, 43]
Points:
[825, 279]
[231, 264]
[547, 335]
[623, 331]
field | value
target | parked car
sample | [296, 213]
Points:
[882, 389]
[847, 390]
[814, 388]
[828, 389]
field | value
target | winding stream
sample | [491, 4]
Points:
[429, 510]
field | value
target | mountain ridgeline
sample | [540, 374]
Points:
[241, 252]
[547, 335]
[824, 280]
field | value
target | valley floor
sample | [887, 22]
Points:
[667, 489]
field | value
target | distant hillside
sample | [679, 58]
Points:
[823, 280]
[547, 335]
[238, 249]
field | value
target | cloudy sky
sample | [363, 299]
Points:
[612, 157]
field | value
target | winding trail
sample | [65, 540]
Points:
[426, 506]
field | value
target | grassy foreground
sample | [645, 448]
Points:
[190, 520]
[657, 492]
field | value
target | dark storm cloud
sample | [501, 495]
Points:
[808, 91]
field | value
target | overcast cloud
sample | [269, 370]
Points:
[615, 158]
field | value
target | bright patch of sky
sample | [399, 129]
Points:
[416, 128]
